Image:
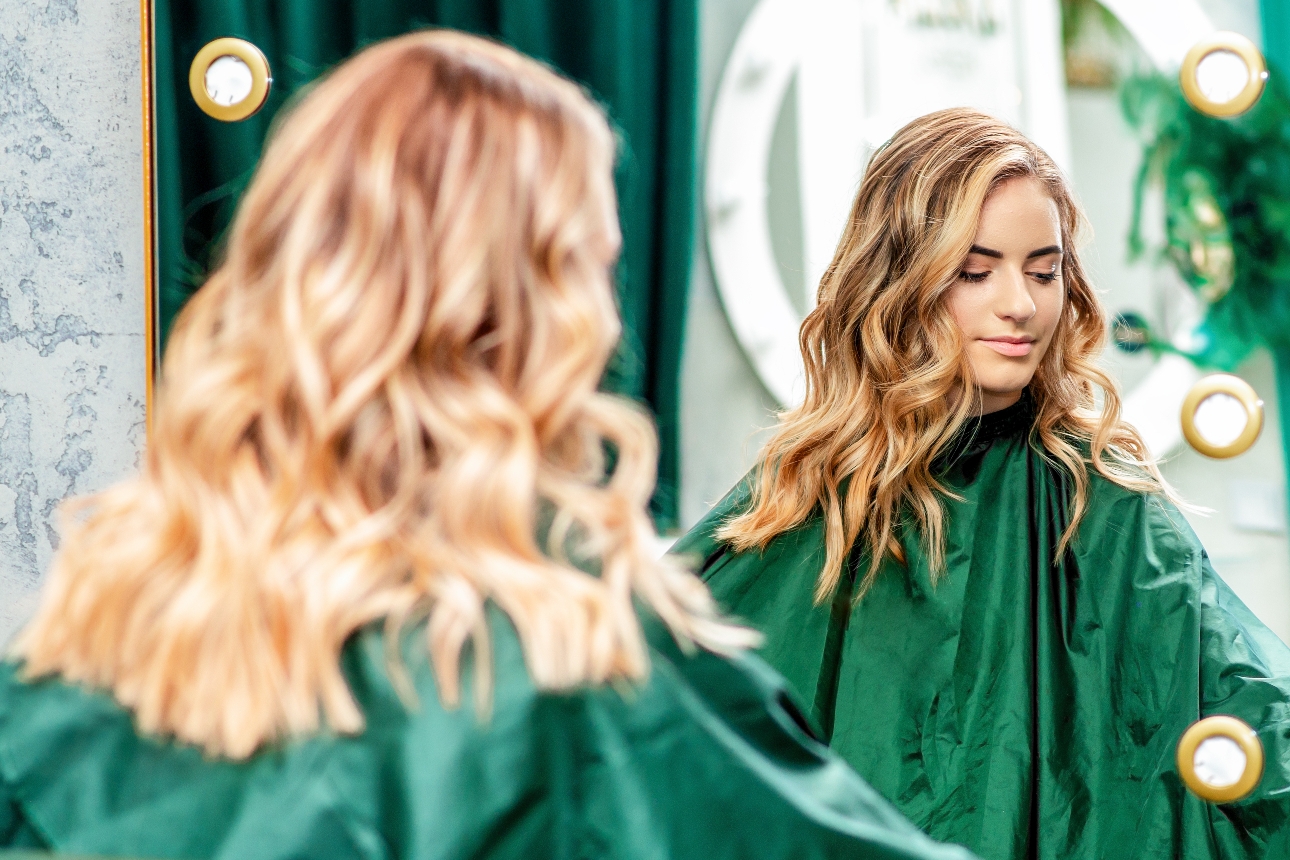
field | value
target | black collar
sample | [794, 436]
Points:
[981, 431]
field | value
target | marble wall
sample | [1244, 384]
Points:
[71, 270]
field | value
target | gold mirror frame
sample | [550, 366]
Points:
[1234, 386]
[1254, 64]
[261, 79]
[149, 222]
[1238, 732]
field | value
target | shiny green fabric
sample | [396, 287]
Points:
[1023, 708]
[638, 59]
[707, 759]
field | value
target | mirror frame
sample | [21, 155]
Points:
[147, 34]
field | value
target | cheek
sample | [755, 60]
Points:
[958, 302]
[1049, 309]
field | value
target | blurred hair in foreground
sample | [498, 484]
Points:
[369, 412]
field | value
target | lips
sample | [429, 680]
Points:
[1013, 347]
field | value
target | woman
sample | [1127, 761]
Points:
[376, 488]
[963, 557]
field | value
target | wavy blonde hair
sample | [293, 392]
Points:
[368, 411]
[888, 384]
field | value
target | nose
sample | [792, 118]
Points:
[1014, 302]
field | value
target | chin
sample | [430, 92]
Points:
[1004, 384]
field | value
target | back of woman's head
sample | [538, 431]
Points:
[888, 381]
[382, 405]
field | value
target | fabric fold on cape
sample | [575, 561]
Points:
[708, 759]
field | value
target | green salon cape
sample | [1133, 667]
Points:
[1023, 708]
[707, 759]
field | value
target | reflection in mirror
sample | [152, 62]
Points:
[1221, 419]
[228, 80]
[1219, 761]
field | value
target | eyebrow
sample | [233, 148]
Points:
[998, 255]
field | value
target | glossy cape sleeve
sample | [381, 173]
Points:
[699, 545]
[748, 778]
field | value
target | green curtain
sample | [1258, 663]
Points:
[637, 57]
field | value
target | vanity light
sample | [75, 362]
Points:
[1220, 759]
[229, 79]
[1223, 74]
[1222, 416]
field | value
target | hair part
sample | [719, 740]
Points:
[368, 409]
[888, 383]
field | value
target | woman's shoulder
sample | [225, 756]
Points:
[79, 773]
[701, 542]
[1117, 513]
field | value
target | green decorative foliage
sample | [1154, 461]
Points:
[1227, 210]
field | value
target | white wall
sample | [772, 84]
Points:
[71, 270]
[725, 409]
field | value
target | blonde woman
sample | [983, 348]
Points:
[374, 593]
[965, 560]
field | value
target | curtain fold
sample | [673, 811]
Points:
[638, 58]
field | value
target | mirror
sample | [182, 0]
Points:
[229, 79]
[1222, 416]
[1223, 74]
[1220, 759]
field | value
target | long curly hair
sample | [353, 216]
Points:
[383, 405]
[888, 385]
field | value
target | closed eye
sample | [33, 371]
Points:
[974, 277]
[1044, 277]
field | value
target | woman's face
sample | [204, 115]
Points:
[1009, 295]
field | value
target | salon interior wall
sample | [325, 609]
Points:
[726, 411]
[71, 270]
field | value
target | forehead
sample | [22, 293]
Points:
[1022, 209]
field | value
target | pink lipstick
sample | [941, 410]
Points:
[1013, 347]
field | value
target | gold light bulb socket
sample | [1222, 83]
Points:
[1234, 386]
[261, 79]
[1239, 733]
[1249, 54]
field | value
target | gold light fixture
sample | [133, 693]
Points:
[1220, 759]
[1223, 74]
[229, 79]
[1222, 416]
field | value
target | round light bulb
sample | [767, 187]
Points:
[1220, 419]
[1221, 75]
[1219, 761]
[228, 80]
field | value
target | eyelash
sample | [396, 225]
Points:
[978, 277]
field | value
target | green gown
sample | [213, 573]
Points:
[1022, 708]
[706, 759]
